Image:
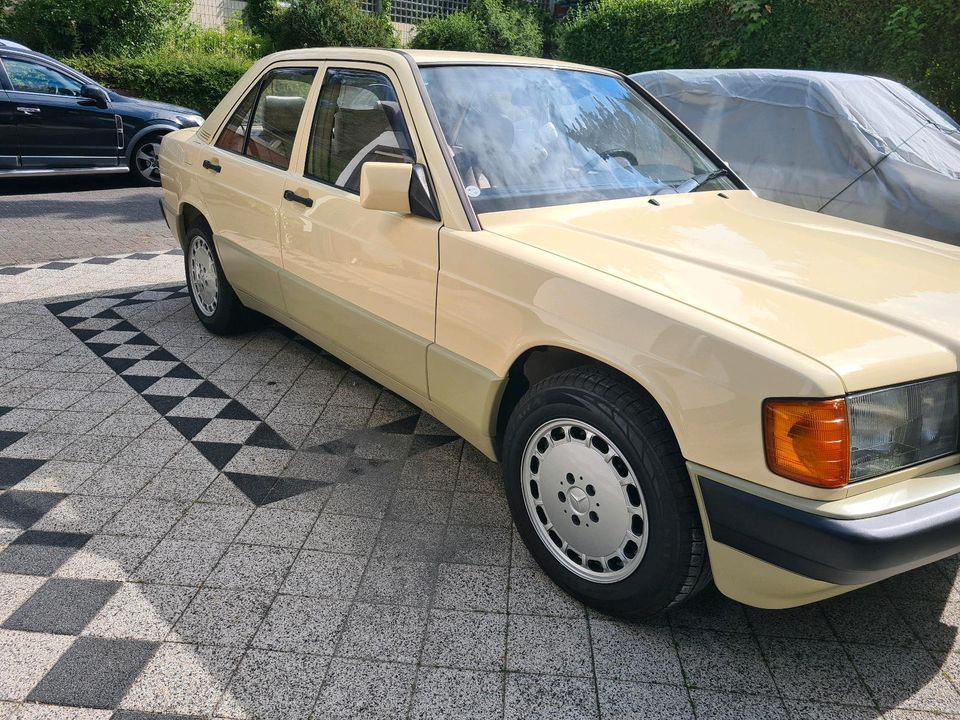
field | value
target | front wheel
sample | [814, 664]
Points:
[600, 494]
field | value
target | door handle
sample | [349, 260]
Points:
[293, 197]
[208, 165]
[28, 110]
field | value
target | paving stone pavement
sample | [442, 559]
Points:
[194, 526]
[69, 217]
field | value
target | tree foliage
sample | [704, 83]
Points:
[495, 26]
[336, 23]
[61, 27]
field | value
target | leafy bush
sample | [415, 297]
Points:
[326, 23]
[485, 26]
[194, 81]
[234, 40]
[4, 18]
[457, 31]
[60, 27]
[261, 15]
[916, 42]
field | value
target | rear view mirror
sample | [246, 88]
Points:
[95, 93]
[397, 187]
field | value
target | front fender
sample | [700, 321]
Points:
[498, 297]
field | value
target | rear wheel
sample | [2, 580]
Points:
[600, 494]
[214, 301]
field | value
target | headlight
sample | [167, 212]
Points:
[829, 443]
[901, 426]
[191, 120]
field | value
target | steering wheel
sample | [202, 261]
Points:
[625, 154]
[590, 165]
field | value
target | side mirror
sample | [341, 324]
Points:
[95, 93]
[397, 187]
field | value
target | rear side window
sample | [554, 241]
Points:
[358, 120]
[264, 125]
[235, 133]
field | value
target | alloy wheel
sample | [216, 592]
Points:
[204, 281]
[148, 161]
[584, 500]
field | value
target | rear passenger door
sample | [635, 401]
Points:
[245, 170]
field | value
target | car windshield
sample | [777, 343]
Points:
[525, 137]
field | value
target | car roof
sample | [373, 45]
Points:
[12, 44]
[384, 56]
[844, 95]
[421, 57]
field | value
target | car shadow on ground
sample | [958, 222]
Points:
[891, 644]
[66, 184]
[114, 199]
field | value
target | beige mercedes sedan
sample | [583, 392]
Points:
[681, 381]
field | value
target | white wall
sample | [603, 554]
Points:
[214, 13]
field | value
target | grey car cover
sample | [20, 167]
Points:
[853, 146]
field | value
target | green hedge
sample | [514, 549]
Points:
[325, 23]
[915, 41]
[493, 26]
[194, 81]
[114, 27]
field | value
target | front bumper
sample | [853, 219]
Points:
[829, 549]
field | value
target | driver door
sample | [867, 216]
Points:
[366, 280]
[55, 127]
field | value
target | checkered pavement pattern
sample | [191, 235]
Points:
[202, 527]
[67, 264]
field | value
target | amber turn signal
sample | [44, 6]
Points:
[808, 441]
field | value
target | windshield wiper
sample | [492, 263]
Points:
[700, 180]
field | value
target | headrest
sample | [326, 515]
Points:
[282, 113]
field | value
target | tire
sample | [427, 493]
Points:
[574, 447]
[144, 160]
[213, 299]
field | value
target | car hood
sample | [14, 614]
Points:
[151, 108]
[876, 306]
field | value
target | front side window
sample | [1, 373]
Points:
[33, 77]
[264, 125]
[536, 136]
[358, 120]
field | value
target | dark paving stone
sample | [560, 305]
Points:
[94, 673]
[37, 552]
[267, 437]
[9, 437]
[218, 453]
[207, 389]
[22, 508]
[13, 470]
[234, 410]
[62, 606]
